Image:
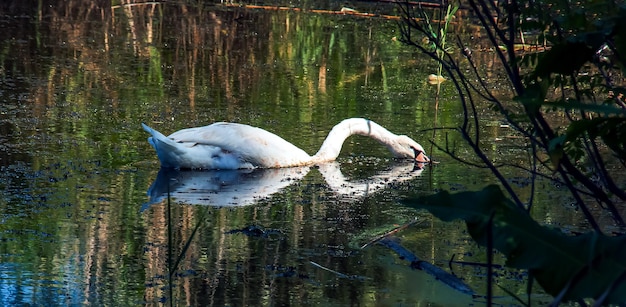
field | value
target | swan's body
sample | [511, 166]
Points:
[234, 146]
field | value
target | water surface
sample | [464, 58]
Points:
[77, 223]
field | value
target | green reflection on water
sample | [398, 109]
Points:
[79, 81]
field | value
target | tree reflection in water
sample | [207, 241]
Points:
[79, 76]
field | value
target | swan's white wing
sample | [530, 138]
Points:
[174, 154]
[254, 145]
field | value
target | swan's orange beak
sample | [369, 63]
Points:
[420, 156]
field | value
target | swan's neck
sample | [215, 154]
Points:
[334, 141]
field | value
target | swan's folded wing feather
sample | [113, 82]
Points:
[258, 146]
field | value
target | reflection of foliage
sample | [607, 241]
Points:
[568, 102]
[85, 74]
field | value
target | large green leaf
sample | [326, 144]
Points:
[564, 58]
[584, 266]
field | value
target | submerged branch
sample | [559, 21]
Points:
[433, 270]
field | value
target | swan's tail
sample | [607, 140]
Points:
[167, 149]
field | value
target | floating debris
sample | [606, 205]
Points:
[435, 79]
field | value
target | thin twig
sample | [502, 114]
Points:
[391, 232]
[340, 275]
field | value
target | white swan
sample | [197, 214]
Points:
[234, 146]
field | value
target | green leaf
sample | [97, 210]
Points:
[612, 131]
[585, 265]
[534, 96]
[555, 150]
[563, 58]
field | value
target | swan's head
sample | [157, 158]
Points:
[406, 147]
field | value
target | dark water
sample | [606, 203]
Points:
[79, 228]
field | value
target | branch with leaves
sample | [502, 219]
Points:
[579, 66]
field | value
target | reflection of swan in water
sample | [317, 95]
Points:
[224, 188]
[342, 187]
[221, 188]
[234, 146]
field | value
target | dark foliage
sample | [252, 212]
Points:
[567, 102]
[577, 76]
